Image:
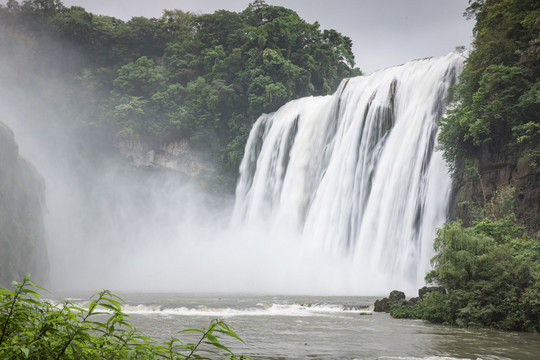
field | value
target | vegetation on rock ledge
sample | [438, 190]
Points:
[205, 78]
[498, 95]
[491, 139]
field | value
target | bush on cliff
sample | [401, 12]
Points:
[498, 102]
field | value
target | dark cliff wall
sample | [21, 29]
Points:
[492, 135]
[22, 205]
[498, 170]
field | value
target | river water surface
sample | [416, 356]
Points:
[310, 327]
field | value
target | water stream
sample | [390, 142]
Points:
[356, 174]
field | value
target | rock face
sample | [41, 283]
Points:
[384, 305]
[429, 289]
[22, 205]
[176, 155]
[398, 298]
[499, 169]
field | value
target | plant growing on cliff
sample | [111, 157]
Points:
[498, 98]
[204, 77]
[31, 328]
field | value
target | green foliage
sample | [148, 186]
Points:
[405, 311]
[31, 328]
[202, 77]
[501, 204]
[460, 255]
[432, 308]
[490, 271]
[497, 98]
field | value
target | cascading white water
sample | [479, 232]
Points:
[338, 195]
[356, 175]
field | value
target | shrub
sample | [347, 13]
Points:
[31, 328]
[491, 272]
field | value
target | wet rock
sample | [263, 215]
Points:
[396, 296]
[384, 305]
[413, 301]
[429, 289]
[176, 155]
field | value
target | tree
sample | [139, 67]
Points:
[497, 98]
[140, 78]
[490, 271]
[205, 77]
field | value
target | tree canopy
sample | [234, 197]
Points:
[498, 95]
[201, 77]
[490, 272]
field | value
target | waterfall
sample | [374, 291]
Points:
[356, 175]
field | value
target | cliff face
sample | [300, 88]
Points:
[22, 205]
[498, 170]
[176, 155]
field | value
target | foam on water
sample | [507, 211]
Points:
[261, 309]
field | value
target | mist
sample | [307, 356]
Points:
[112, 225]
[329, 213]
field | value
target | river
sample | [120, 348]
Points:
[312, 327]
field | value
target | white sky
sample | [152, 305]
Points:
[384, 32]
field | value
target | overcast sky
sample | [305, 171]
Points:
[384, 32]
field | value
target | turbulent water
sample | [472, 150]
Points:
[356, 174]
[323, 328]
